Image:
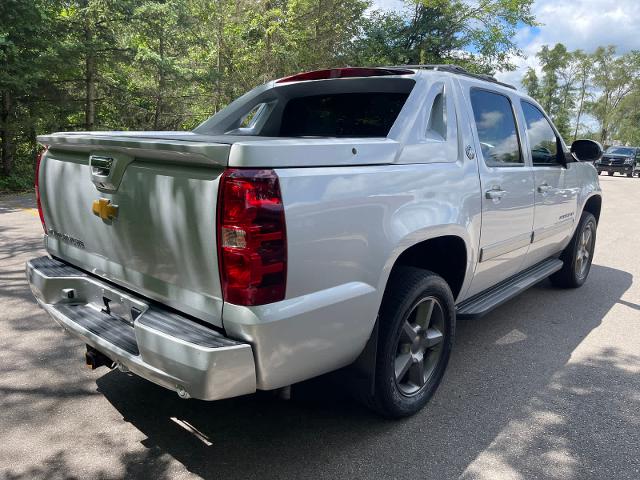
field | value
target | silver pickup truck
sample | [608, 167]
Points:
[336, 218]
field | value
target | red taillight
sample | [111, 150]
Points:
[252, 243]
[37, 186]
[347, 72]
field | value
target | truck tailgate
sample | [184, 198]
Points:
[139, 211]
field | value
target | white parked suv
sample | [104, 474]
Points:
[336, 218]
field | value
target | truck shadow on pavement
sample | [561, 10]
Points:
[513, 401]
[510, 398]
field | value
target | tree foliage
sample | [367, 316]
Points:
[476, 35]
[169, 64]
[602, 85]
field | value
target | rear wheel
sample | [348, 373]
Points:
[416, 330]
[610, 174]
[629, 175]
[578, 255]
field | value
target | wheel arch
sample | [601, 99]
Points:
[430, 253]
[446, 254]
[593, 205]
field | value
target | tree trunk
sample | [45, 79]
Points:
[5, 142]
[161, 81]
[33, 141]
[603, 136]
[89, 82]
[218, 101]
[604, 132]
[90, 90]
[583, 89]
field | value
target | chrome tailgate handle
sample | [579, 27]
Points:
[100, 166]
[107, 170]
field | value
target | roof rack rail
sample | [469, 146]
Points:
[457, 69]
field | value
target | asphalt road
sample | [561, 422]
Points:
[547, 386]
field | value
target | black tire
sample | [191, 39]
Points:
[630, 175]
[610, 174]
[411, 294]
[599, 172]
[574, 273]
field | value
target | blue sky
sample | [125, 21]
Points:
[583, 24]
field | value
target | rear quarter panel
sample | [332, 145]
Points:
[346, 226]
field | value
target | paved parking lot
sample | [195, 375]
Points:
[547, 386]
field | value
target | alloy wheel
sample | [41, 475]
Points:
[585, 250]
[419, 346]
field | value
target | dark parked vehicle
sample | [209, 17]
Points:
[624, 160]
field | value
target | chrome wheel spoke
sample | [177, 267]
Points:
[587, 238]
[432, 338]
[409, 332]
[424, 313]
[402, 365]
[416, 373]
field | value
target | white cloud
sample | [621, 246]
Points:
[587, 24]
[387, 4]
[584, 24]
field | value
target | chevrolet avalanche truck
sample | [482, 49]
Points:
[624, 160]
[337, 218]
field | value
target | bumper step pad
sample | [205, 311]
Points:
[169, 348]
[121, 333]
[112, 329]
[53, 268]
[180, 327]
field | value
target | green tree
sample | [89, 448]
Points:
[557, 85]
[478, 36]
[27, 42]
[91, 51]
[614, 77]
[583, 62]
[564, 86]
[628, 119]
[531, 83]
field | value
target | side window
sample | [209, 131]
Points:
[542, 139]
[249, 120]
[497, 130]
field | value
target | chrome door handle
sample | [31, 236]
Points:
[496, 193]
[544, 188]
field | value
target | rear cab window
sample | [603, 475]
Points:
[326, 108]
[342, 115]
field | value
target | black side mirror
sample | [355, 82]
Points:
[586, 150]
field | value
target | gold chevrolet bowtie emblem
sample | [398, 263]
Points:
[105, 209]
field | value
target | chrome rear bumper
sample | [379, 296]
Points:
[162, 346]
